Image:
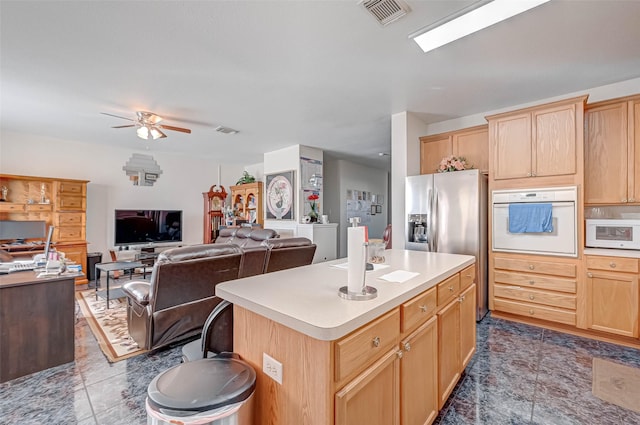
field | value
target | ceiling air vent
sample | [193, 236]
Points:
[226, 130]
[386, 11]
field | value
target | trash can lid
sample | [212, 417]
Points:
[202, 385]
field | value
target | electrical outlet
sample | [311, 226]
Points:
[272, 367]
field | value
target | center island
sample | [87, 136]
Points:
[390, 360]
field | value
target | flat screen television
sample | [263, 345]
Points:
[18, 231]
[147, 226]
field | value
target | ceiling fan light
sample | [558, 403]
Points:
[143, 132]
[155, 133]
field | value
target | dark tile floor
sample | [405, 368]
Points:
[520, 375]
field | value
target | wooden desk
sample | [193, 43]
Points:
[36, 323]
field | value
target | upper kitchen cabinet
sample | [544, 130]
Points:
[539, 142]
[470, 143]
[612, 151]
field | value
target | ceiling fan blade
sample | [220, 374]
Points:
[117, 116]
[170, 127]
[124, 126]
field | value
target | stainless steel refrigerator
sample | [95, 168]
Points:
[447, 212]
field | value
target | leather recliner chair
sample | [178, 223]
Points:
[176, 302]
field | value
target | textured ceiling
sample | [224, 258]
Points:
[319, 73]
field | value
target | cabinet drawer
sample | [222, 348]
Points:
[71, 188]
[70, 219]
[10, 206]
[71, 203]
[39, 207]
[533, 266]
[467, 277]
[356, 351]
[535, 281]
[418, 310]
[536, 311]
[448, 289]
[618, 264]
[70, 233]
[551, 299]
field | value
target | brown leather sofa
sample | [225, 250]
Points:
[177, 300]
[251, 240]
[288, 253]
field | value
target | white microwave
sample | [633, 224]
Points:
[613, 233]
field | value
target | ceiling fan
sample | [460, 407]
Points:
[148, 125]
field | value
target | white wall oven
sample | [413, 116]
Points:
[613, 233]
[560, 235]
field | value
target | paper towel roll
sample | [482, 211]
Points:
[356, 258]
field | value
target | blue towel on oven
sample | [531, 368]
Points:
[530, 218]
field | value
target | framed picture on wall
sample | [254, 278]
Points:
[279, 195]
[378, 209]
[373, 210]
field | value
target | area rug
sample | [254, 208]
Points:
[617, 384]
[109, 326]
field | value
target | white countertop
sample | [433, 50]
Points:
[613, 252]
[306, 298]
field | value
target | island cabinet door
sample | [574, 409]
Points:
[448, 350]
[467, 325]
[612, 302]
[373, 397]
[419, 375]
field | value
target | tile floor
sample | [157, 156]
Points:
[520, 375]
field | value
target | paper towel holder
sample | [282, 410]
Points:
[367, 292]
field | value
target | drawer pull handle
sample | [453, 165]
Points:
[612, 265]
[461, 299]
[376, 342]
[531, 297]
[531, 312]
[531, 267]
[589, 274]
[407, 346]
[423, 308]
[399, 354]
[624, 200]
[532, 282]
[450, 288]
[632, 200]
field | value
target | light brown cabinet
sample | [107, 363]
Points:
[467, 331]
[246, 200]
[612, 295]
[448, 350]
[419, 375]
[612, 152]
[471, 143]
[60, 203]
[541, 141]
[533, 287]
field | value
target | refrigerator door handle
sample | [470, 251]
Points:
[433, 239]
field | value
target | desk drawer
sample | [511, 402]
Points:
[39, 207]
[70, 233]
[71, 188]
[11, 207]
[536, 311]
[448, 289]
[356, 351]
[535, 281]
[70, 219]
[66, 202]
[418, 309]
[613, 264]
[519, 293]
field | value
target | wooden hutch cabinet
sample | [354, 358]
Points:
[61, 203]
[247, 200]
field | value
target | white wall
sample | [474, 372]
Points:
[348, 175]
[180, 186]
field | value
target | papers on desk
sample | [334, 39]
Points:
[399, 276]
[345, 266]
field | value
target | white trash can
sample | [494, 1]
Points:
[215, 391]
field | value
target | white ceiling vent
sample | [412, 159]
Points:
[226, 130]
[386, 11]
